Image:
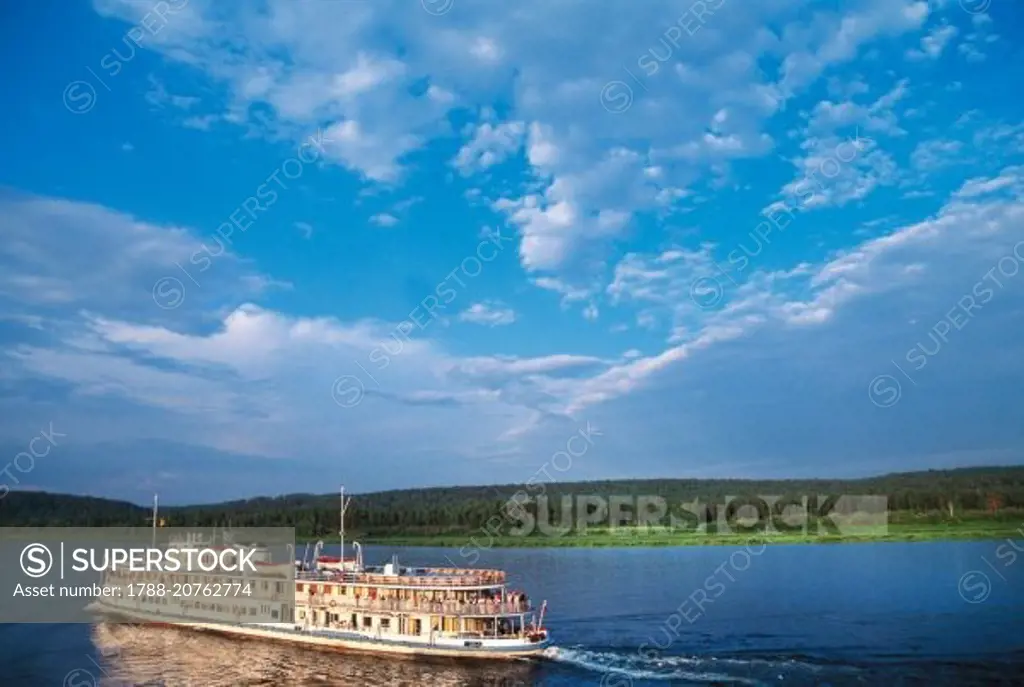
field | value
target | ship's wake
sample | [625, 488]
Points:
[621, 668]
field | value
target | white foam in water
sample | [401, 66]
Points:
[633, 666]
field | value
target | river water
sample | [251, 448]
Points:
[938, 613]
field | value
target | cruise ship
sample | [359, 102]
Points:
[340, 604]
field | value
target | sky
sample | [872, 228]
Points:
[263, 247]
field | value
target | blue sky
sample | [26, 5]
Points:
[266, 247]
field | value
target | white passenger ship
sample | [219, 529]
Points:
[339, 603]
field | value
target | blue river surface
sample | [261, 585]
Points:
[933, 613]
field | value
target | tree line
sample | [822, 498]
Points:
[989, 491]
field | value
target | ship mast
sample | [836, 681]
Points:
[341, 518]
[155, 504]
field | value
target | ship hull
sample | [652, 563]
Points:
[336, 640]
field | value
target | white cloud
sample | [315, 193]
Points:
[485, 49]
[440, 95]
[835, 169]
[1010, 178]
[972, 47]
[490, 145]
[244, 385]
[570, 293]
[933, 44]
[367, 74]
[811, 295]
[389, 86]
[375, 156]
[933, 155]
[1000, 141]
[385, 99]
[547, 225]
[383, 219]
[258, 382]
[158, 96]
[201, 122]
[492, 314]
[846, 36]
[64, 254]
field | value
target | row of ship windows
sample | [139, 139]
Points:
[342, 590]
[384, 623]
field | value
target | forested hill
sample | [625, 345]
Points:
[453, 509]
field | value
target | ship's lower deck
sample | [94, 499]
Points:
[347, 640]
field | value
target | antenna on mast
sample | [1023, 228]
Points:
[341, 530]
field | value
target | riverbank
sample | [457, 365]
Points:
[977, 530]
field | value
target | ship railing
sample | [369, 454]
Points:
[477, 579]
[483, 635]
[343, 603]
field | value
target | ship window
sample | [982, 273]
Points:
[273, 614]
[385, 623]
[298, 587]
[367, 621]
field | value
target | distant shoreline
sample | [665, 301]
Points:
[984, 503]
[989, 530]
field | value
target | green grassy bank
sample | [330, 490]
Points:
[900, 529]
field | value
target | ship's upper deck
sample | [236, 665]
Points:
[419, 578]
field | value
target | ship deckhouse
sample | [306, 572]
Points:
[392, 601]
